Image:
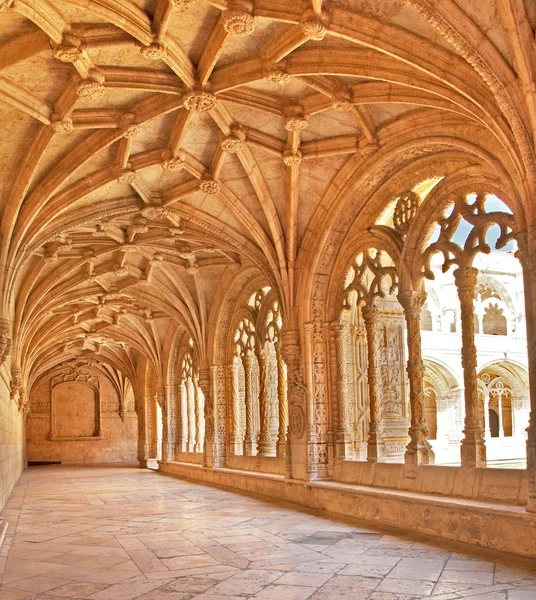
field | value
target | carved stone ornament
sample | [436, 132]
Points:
[5, 340]
[238, 22]
[70, 50]
[181, 4]
[91, 88]
[232, 143]
[209, 186]
[154, 52]
[62, 126]
[277, 74]
[291, 159]
[172, 163]
[131, 130]
[297, 421]
[155, 212]
[405, 211]
[342, 101]
[295, 119]
[313, 26]
[127, 176]
[199, 101]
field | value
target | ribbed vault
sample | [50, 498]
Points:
[152, 148]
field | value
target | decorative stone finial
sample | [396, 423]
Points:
[239, 23]
[127, 176]
[276, 73]
[209, 186]
[342, 101]
[92, 87]
[234, 142]
[62, 125]
[292, 159]
[199, 101]
[154, 51]
[171, 162]
[295, 119]
[313, 26]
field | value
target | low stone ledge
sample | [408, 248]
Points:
[505, 486]
[497, 526]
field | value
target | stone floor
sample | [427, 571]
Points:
[120, 534]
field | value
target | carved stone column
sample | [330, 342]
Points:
[198, 442]
[418, 451]
[297, 457]
[250, 444]
[206, 437]
[527, 257]
[183, 431]
[190, 395]
[151, 427]
[282, 402]
[473, 448]
[161, 448]
[237, 443]
[375, 443]
[344, 446]
[264, 442]
[142, 431]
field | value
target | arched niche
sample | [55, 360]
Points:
[74, 407]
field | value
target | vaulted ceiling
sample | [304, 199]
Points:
[152, 148]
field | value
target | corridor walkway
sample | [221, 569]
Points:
[120, 534]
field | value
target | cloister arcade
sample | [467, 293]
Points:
[285, 246]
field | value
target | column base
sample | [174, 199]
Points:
[265, 446]
[250, 448]
[418, 451]
[281, 448]
[473, 450]
[375, 447]
[142, 463]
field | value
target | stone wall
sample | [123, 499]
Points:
[11, 441]
[91, 425]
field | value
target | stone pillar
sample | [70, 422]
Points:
[142, 432]
[151, 443]
[237, 443]
[264, 444]
[297, 457]
[343, 442]
[282, 402]
[527, 256]
[190, 397]
[418, 451]
[473, 448]
[198, 442]
[487, 432]
[206, 437]
[375, 438]
[166, 402]
[183, 435]
[500, 413]
[250, 444]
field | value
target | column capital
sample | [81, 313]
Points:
[465, 278]
[370, 313]
[290, 345]
[412, 300]
[339, 325]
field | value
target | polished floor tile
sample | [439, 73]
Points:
[125, 534]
